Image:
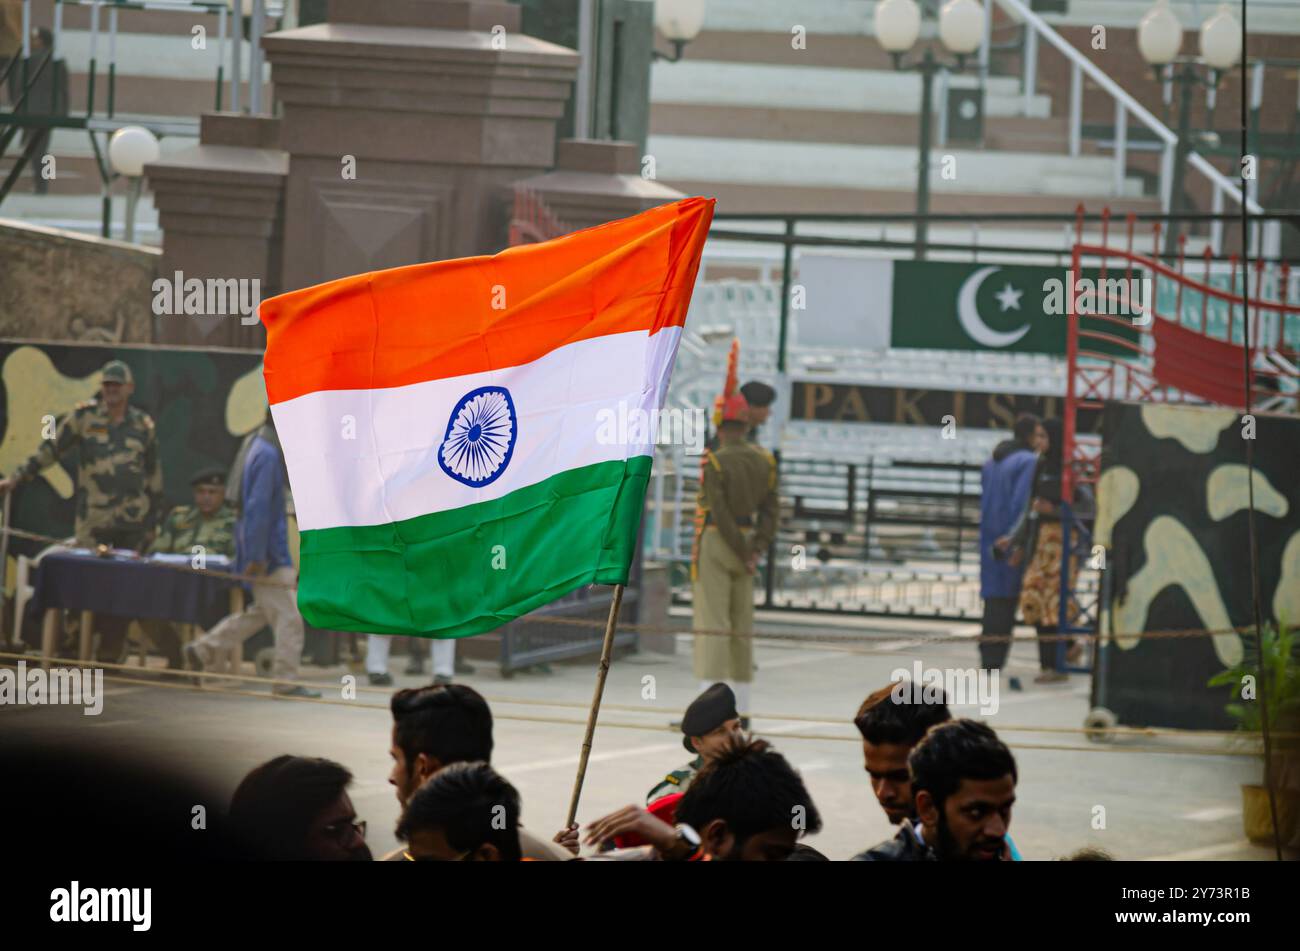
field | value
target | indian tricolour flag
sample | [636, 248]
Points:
[441, 423]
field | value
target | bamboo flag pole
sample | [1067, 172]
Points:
[605, 651]
[4, 575]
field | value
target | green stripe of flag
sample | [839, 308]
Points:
[578, 527]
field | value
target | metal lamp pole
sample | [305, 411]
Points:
[928, 66]
[1185, 74]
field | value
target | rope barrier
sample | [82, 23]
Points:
[185, 678]
[811, 640]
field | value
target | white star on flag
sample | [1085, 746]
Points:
[1009, 297]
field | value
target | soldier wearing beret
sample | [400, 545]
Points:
[208, 524]
[119, 477]
[710, 723]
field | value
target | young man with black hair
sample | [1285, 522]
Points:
[964, 780]
[891, 725]
[296, 808]
[468, 812]
[746, 804]
[442, 724]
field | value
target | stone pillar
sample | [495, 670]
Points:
[220, 205]
[655, 597]
[595, 182]
[406, 123]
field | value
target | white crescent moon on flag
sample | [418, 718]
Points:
[969, 314]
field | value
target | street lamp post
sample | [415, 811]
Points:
[1160, 36]
[680, 21]
[130, 149]
[961, 27]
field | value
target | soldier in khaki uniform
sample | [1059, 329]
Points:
[739, 497]
[209, 524]
[119, 477]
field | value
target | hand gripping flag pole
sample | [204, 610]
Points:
[606, 650]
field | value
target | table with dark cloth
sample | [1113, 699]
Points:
[127, 587]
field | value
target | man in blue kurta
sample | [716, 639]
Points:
[1006, 481]
[262, 551]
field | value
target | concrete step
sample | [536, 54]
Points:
[75, 143]
[162, 55]
[841, 50]
[81, 213]
[865, 199]
[1010, 133]
[825, 88]
[146, 94]
[1266, 16]
[777, 16]
[778, 164]
[856, 16]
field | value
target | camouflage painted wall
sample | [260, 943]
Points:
[1172, 510]
[203, 403]
[60, 285]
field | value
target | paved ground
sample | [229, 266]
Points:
[1163, 804]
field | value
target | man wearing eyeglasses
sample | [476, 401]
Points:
[296, 808]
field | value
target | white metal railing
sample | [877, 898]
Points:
[259, 10]
[1126, 105]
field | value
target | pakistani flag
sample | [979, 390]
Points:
[944, 305]
[440, 423]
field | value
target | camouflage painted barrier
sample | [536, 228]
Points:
[1173, 513]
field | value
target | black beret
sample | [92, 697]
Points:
[209, 476]
[707, 712]
[758, 394]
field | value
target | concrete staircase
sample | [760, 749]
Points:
[159, 76]
[767, 127]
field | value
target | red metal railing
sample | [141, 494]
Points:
[1169, 361]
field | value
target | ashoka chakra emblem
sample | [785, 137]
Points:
[480, 437]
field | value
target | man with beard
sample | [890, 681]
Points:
[119, 479]
[964, 781]
[296, 808]
[442, 724]
[891, 725]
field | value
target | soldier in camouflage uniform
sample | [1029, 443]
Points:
[209, 524]
[119, 476]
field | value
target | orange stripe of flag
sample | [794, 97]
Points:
[429, 321]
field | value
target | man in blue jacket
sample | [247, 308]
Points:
[1005, 481]
[262, 551]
